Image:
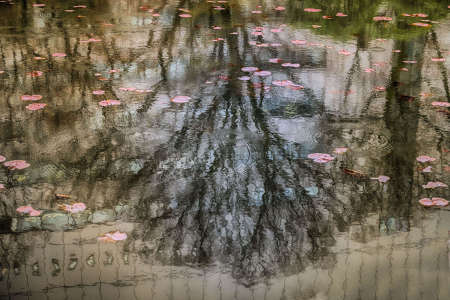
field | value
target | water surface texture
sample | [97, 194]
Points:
[248, 149]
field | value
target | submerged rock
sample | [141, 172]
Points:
[82, 218]
[22, 224]
[102, 216]
[57, 221]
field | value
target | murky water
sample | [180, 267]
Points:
[222, 197]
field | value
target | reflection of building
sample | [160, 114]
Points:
[402, 265]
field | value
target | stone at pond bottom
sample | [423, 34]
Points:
[22, 224]
[102, 216]
[82, 218]
[56, 221]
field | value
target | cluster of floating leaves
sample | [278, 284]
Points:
[28, 210]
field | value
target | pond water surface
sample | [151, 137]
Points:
[253, 150]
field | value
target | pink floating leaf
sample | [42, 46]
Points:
[185, 16]
[2, 158]
[275, 60]
[38, 5]
[2, 186]
[59, 54]
[434, 184]
[425, 158]
[320, 157]
[298, 42]
[276, 30]
[438, 59]
[290, 65]
[244, 78]
[339, 14]
[16, 164]
[344, 52]
[381, 178]
[427, 202]
[113, 236]
[98, 92]
[35, 106]
[262, 73]
[280, 8]
[427, 169]
[439, 201]
[340, 150]
[418, 24]
[109, 102]
[312, 10]
[249, 69]
[440, 104]
[409, 61]
[31, 97]
[382, 18]
[24, 209]
[35, 213]
[181, 99]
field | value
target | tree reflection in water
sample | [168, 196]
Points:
[225, 178]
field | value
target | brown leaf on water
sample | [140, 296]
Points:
[355, 173]
[63, 196]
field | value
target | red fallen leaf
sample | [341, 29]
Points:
[339, 14]
[380, 88]
[327, 17]
[419, 15]
[312, 10]
[438, 59]
[35, 106]
[280, 8]
[16, 164]
[180, 99]
[275, 60]
[109, 102]
[31, 97]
